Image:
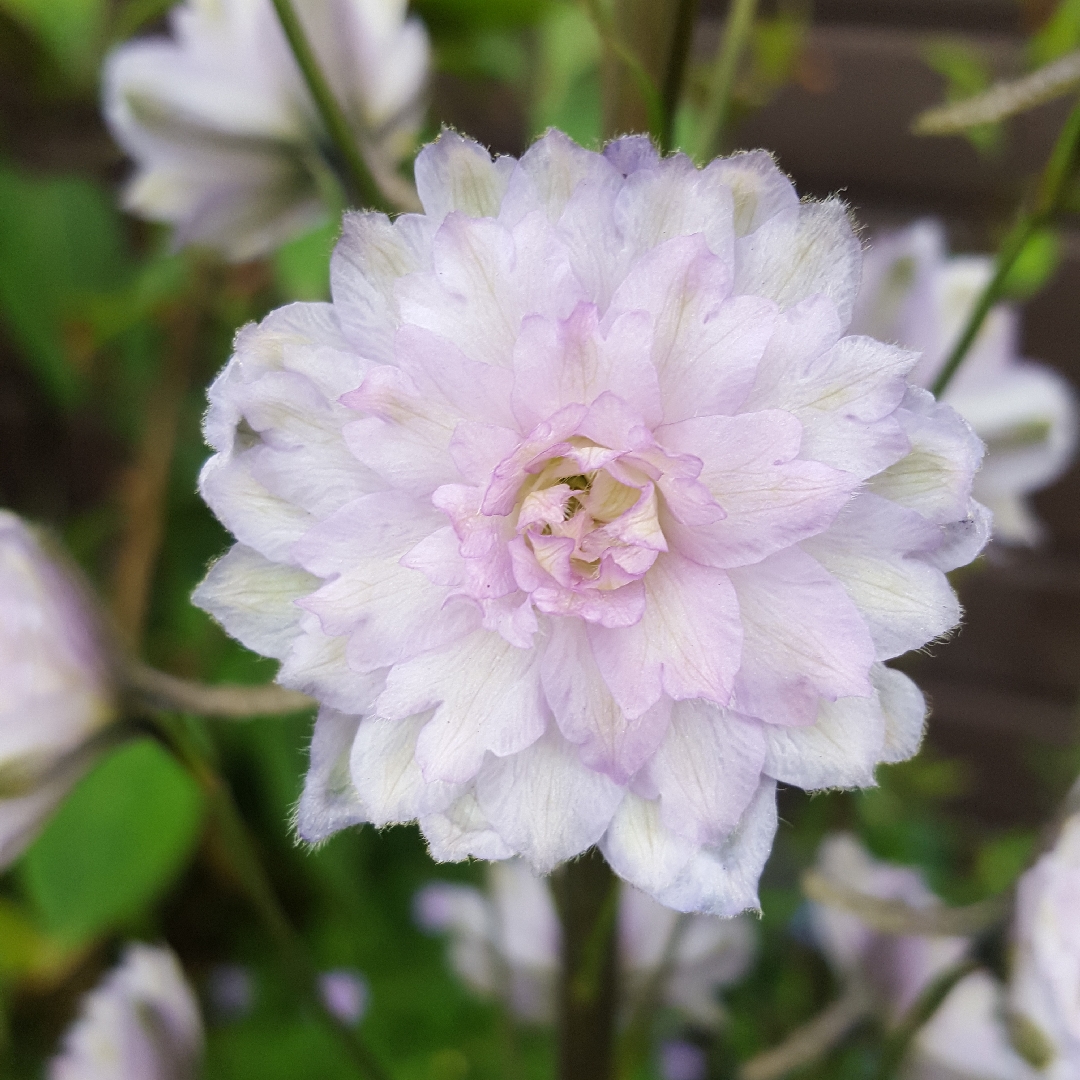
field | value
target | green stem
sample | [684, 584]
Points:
[1048, 195]
[586, 895]
[899, 1042]
[681, 39]
[236, 841]
[362, 188]
[740, 21]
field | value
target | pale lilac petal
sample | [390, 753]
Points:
[370, 256]
[687, 644]
[587, 713]
[545, 803]
[706, 347]
[771, 499]
[759, 188]
[488, 698]
[642, 850]
[557, 364]
[804, 639]
[707, 770]
[874, 550]
[457, 174]
[844, 391]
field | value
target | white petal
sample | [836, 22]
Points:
[904, 708]
[799, 253]
[255, 599]
[707, 770]
[759, 188]
[488, 696]
[463, 832]
[545, 803]
[644, 851]
[386, 777]
[329, 802]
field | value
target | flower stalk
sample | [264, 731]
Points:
[232, 835]
[361, 188]
[586, 896]
[736, 35]
[1045, 205]
[158, 690]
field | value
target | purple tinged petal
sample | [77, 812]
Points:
[457, 174]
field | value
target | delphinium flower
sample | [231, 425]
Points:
[141, 1023]
[57, 683]
[506, 942]
[583, 519]
[1029, 1028]
[893, 968]
[915, 294]
[228, 144]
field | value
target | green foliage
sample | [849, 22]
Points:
[115, 845]
[1035, 265]
[966, 73]
[460, 18]
[1059, 35]
[74, 32]
[61, 241]
[302, 267]
[566, 85]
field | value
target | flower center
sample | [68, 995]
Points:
[596, 528]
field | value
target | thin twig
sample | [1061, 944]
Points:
[363, 188]
[145, 485]
[160, 691]
[813, 1040]
[740, 22]
[1002, 100]
[897, 917]
[1051, 188]
[248, 872]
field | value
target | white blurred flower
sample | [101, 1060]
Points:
[894, 968]
[57, 686]
[507, 943]
[1044, 990]
[913, 293]
[141, 1023]
[229, 145]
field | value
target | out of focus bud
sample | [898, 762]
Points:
[507, 944]
[141, 1023]
[57, 683]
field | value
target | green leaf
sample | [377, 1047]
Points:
[116, 844]
[1059, 35]
[459, 18]
[72, 30]
[60, 241]
[566, 89]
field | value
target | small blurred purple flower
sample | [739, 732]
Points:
[915, 294]
[141, 1023]
[230, 991]
[344, 993]
[57, 683]
[682, 1061]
